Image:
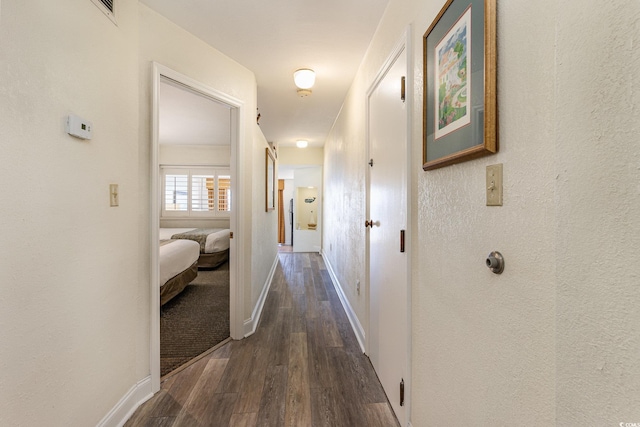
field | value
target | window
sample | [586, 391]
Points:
[195, 191]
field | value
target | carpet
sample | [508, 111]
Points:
[195, 320]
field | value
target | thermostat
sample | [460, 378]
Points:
[78, 127]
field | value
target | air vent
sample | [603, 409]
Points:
[108, 4]
[107, 7]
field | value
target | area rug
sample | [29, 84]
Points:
[195, 320]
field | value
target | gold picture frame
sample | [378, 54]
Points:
[460, 120]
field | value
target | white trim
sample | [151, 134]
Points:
[236, 249]
[251, 324]
[154, 208]
[409, 99]
[136, 396]
[358, 330]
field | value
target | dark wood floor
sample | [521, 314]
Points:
[302, 367]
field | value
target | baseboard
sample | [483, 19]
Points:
[250, 325]
[351, 314]
[124, 409]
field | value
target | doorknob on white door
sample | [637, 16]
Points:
[368, 223]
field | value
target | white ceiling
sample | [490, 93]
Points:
[273, 39]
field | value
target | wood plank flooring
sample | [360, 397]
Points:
[302, 367]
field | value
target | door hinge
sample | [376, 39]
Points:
[402, 392]
[401, 240]
[231, 234]
[402, 88]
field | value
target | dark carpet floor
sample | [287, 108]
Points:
[195, 320]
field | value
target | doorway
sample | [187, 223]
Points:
[162, 75]
[388, 338]
[301, 211]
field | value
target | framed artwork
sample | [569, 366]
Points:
[460, 104]
[270, 181]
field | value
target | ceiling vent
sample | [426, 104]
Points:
[107, 7]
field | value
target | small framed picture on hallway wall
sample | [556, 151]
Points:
[460, 102]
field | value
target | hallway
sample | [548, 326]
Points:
[302, 367]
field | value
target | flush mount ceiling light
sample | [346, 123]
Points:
[302, 144]
[304, 79]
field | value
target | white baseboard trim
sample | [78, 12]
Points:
[124, 409]
[351, 314]
[251, 324]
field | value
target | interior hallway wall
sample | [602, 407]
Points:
[75, 329]
[554, 339]
[69, 264]
[597, 236]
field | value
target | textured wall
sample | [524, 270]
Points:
[68, 270]
[343, 239]
[487, 341]
[598, 205]
[554, 340]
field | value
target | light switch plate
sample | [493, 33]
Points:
[113, 195]
[494, 185]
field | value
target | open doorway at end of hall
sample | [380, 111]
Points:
[299, 208]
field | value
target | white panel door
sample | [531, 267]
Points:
[388, 329]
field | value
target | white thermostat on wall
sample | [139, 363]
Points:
[78, 127]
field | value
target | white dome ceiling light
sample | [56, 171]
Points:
[302, 144]
[304, 79]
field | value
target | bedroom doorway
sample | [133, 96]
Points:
[194, 165]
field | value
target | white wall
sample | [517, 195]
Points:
[69, 264]
[553, 340]
[300, 156]
[74, 324]
[264, 243]
[597, 185]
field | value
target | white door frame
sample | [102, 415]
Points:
[235, 249]
[404, 44]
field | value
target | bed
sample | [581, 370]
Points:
[214, 243]
[178, 266]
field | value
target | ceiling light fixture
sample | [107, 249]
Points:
[304, 79]
[302, 144]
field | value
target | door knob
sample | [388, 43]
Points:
[368, 223]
